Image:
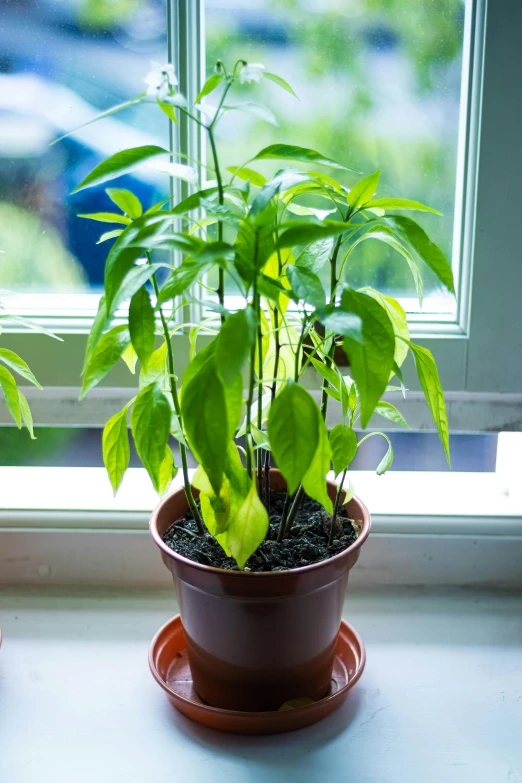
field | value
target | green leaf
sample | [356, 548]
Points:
[171, 242]
[362, 192]
[156, 368]
[205, 417]
[307, 286]
[315, 255]
[12, 399]
[299, 701]
[390, 412]
[193, 201]
[431, 385]
[372, 360]
[121, 280]
[256, 110]
[343, 442]
[28, 324]
[234, 344]
[211, 252]
[336, 395]
[260, 437]
[142, 325]
[400, 203]
[106, 217]
[167, 471]
[118, 164]
[414, 237]
[302, 154]
[339, 321]
[386, 235]
[115, 447]
[281, 82]
[150, 422]
[293, 431]
[399, 322]
[109, 235]
[234, 402]
[310, 232]
[215, 509]
[122, 257]
[168, 109]
[386, 462]
[314, 480]
[254, 245]
[98, 326]
[175, 429]
[182, 278]
[249, 175]
[126, 201]
[327, 372]
[103, 115]
[209, 86]
[25, 411]
[16, 363]
[247, 529]
[105, 355]
[130, 357]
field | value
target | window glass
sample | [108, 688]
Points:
[61, 63]
[379, 83]
[81, 447]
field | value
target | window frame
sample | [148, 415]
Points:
[466, 348]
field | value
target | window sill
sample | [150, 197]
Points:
[441, 692]
[62, 526]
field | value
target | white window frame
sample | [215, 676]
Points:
[477, 350]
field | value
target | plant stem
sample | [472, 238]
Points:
[298, 349]
[260, 407]
[324, 398]
[267, 481]
[284, 513]
[331, 352]
[177, 408]
[336, 507]
[274, 388]
[294, 508]
[221, 198]
[251, 381]
[221, 193]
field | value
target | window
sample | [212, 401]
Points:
[62, 63]
[396, 84]
[380, 86]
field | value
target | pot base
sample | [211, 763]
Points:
[170, 668]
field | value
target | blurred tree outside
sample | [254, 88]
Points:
[379, 83]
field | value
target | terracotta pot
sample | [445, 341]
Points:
[256, 640]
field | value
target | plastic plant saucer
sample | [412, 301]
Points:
[169, 665]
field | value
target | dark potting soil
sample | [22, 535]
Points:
[306, 543]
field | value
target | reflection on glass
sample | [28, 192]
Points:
[61, 63]
[78, 447]
[379, 83]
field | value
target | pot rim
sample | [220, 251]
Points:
[172, 554]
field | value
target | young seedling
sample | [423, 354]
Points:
[268, 237]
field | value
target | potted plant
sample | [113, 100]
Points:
[259, 542]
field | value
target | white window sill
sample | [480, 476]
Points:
[82, 497]
[440, 698]
[62, 526]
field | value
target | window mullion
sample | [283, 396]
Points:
[186, 52]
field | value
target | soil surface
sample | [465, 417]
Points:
[306, 543]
